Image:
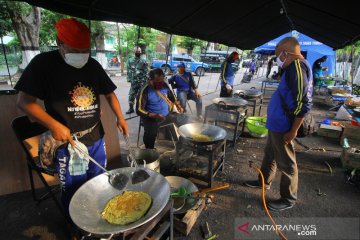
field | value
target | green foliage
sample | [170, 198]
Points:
[146, 39]
[47, 33]
[5, 22]
[190, 43]
[14, 42]
[345, 52]
[129, 38]
[12, 59]
[8, 9]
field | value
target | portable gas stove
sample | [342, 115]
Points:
[200, 161]
[230, 118]
[253, 96]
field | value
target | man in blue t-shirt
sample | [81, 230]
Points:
[155, 105]
[185, 88]
[252, 66]
[287, 108]
[317, 67]
[227, 75]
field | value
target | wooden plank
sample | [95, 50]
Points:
[186, 223]
[143, 231]
[160, 231]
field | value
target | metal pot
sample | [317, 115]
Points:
[150, 156]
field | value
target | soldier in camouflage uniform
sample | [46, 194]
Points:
[137, 74]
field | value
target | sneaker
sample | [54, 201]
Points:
[279, 204]
[130, 111]
[255, 184]
[200, 117]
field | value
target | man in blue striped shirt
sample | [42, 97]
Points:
[287, 108]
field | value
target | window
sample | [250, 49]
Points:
[110, 40]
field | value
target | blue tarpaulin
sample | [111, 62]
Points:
[314, 49]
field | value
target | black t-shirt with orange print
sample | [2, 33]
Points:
[70, 95]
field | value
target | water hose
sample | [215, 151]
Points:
[279, 232]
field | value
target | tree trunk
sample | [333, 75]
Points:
[100, 50]
[168, 47]
[122, 65]
[27, 30]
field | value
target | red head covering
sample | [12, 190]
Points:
[73, 33]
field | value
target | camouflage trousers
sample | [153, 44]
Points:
[134, 91]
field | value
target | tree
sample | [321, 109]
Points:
[190, 43]
[5, 23]
[98, 36]
[26, 23]
[146, 39]
[47, 34]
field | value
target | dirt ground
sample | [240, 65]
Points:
[22, 218]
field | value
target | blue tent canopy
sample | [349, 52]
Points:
[314, 49]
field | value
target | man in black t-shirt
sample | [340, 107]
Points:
[70, 84]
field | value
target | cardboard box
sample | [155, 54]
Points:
[349, 159]
[351, 132]
[329, 131]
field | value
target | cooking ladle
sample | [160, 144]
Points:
[117, 180]
[139, 175]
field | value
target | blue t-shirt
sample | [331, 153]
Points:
[183, 83]
[227, 73]
[252, 66]
[155, 104]
[295, 90]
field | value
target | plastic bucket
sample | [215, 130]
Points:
[256, 126]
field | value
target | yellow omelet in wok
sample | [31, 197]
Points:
[127, 207]
[201, 137]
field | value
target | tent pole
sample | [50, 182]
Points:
[120, 53]
[335, 63]
[6, 61]
[202, 64]
[168, 46]
[138, 38]
[168, 49]
[352, 70]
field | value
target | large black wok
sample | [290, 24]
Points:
[215, 133]
[230, 103]
[248, 94]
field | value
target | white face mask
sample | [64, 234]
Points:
[77, 60]
[279, 62]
